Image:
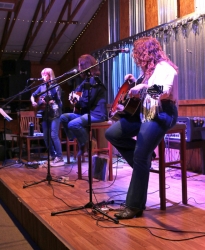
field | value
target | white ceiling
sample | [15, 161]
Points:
[36, 32]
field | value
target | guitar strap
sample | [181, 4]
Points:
[140, 79]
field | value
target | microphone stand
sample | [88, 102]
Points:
[90, 204]
[115, 53]
[48, 177]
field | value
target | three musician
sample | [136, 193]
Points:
[149, 122]
[50, 105]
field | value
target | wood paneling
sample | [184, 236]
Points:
[185, 7]
[192, 107]
[151, 14]
[124, 19]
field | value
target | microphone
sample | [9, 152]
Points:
[35, 79]
[71, 72]
[125, 50]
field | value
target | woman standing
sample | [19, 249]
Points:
[50, 105]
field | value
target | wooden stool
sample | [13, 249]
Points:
[98, 126]
[178, 128]
[65, 140]
[68, 144]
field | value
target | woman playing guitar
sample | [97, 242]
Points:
[50, 114]
[92, 99]
[158, 113]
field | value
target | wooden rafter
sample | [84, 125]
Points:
[9, 26]
[53, 41]
[31, 32]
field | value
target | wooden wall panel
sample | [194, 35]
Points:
[151, 14]
[124, 19]
[185, 7]
[192, 107]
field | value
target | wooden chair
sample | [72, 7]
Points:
[97, 127]
[178, 128]
[25, 118]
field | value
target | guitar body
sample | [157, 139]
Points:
[123, 104]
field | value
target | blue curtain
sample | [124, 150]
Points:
[123, 64]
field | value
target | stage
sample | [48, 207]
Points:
[36, 207]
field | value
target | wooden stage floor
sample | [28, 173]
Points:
[179, 227]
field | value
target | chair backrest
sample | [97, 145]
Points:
[25, 118]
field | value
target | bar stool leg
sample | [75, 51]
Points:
[162, 185]
[183, 167]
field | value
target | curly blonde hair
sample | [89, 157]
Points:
[147, 53]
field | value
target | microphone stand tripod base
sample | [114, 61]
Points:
[49, 179]
[88, 205]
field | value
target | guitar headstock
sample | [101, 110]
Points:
[155, 90]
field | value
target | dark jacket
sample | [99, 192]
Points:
[92, 98]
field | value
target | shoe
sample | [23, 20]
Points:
[81, 151]
[129, 213]
[57, 162]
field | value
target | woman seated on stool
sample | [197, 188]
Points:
[157, 114]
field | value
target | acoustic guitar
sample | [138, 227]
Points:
[123, 104]
[41, 103]
[73, 98]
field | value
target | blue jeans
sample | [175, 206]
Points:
[54, 146]
[138, 153]
[76, 126]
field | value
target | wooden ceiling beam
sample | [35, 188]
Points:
[31, 32]
[54, 40]
[9, 26]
